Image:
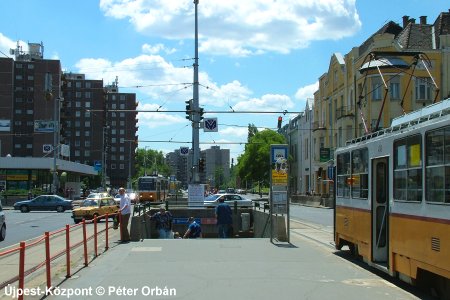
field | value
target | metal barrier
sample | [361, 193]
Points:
[46, 238]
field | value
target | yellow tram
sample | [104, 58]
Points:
[152, 188]
[393, 197]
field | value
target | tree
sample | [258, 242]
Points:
[254, 164]
[252, 131]
[149, 161]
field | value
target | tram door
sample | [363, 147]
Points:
[380, 207]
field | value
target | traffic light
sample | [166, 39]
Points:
[280, 120]
[201, 165]
[188, 109]
[201, 113]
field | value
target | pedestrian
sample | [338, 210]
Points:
[163, 220]
[224, 219]
[125, 212]
[194, 230]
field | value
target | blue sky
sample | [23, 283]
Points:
[259, 55]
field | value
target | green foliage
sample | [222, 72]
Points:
[254, 164]
[151, 162]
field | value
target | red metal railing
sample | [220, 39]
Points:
[21, 250]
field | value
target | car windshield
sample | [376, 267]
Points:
[97, 195]
[212, 197]
[88, 203]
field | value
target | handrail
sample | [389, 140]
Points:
[21, 250]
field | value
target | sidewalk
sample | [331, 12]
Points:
[227, 269]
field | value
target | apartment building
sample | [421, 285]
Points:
[44, 109]
[398, 69]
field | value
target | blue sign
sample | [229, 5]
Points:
[184, 150]
[277, 152]
[210, 125]
[178, 221]
[97, 165]
[330, 172]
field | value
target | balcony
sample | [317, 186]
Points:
[318, 126]
[343, 112]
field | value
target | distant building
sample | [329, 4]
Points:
[37, 100]
[217, 166]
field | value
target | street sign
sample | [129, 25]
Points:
[97, 165]
[210, 125]
[47, 148]
[184, 151]
[277, 152]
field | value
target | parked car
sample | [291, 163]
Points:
[2, 224]
[91, 208]
[44, 203]
[90, 196]
[213, 200]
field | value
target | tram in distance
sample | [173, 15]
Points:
[393, 197]
[153, 188]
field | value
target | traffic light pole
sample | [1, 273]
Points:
[195, 110]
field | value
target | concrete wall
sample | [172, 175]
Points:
[144, 228]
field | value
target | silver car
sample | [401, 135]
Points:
[2, 224]
[230, 199]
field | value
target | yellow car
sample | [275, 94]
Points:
[91, 208]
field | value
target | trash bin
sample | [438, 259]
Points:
[245, 221]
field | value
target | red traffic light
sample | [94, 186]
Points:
[280, 120]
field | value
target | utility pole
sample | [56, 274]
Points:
[195, 108]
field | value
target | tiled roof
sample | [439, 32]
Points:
[390, 27]
[441, 26]
[416, 37]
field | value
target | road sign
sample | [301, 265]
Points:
[184, 151]
[97, 165]
[47, 148]
[277, 152]
[210, 125]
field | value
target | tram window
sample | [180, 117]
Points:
[438, 165]
[408, 169]
[343, 175]
[359, 178]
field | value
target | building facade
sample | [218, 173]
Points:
[47, 113]
[399, 69]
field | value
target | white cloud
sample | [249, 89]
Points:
[306, 92]
[155, 49]
[241, 132]
[241, 28]
[157, 119]
[268, 102]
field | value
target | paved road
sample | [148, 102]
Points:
[25, 226]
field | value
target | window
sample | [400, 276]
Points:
[77, 113]
[87, 114]
[437, 184]
[18, 123]
[19, 77]
[343, 174]
[87, 104]
[18, 66]
[87, 133]
[360, 173]
[113, 166]
[18, 111]
[121, 166]
[30, 66]
[78, 84]
[394, 88]
[408, 169]
[29, 111]
[87, 153]
[87, 143]
[19, 100]
[77, 143]
[18, 146]
[29, 146]
[377, 89]
[87, 124]
[87, 95]
[78, 94]
[122, 123]
[424, 88]
[30, 77]
[77, 152]
[88, 85]
[121, 132]
[77, 123]
[113, 106]
[122, 106]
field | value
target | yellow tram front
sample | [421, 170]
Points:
[152, 189]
